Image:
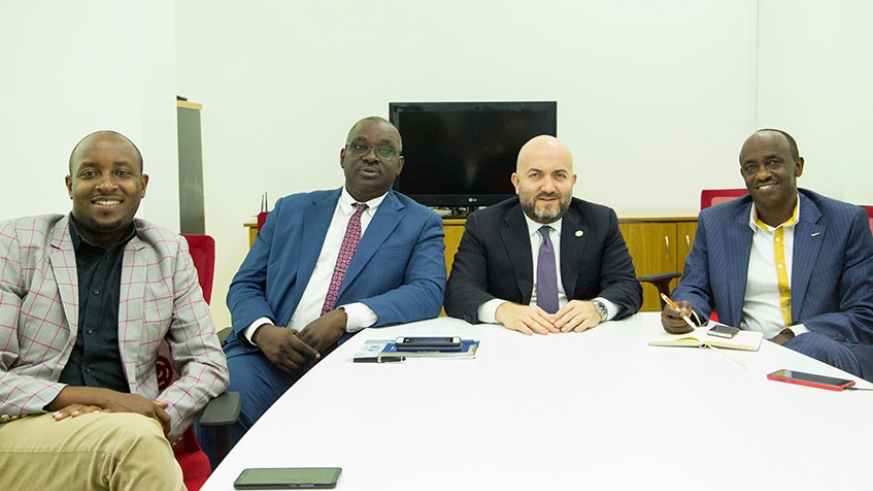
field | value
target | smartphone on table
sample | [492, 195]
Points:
[811, 380]
[419, 343]
[288, 478]
[723, 331]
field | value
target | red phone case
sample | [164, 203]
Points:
[810, 383]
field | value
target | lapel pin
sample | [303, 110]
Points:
[813, 235]
[579, 233]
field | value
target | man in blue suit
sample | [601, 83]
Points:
[785, 261]
[296, 295]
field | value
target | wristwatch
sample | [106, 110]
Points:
[601, 309]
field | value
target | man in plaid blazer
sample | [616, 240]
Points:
[85, 302]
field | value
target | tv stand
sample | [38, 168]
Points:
[454, 211]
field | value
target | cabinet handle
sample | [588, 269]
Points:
[667, 249]
[687, 243]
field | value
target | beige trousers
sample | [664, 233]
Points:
[95, 451]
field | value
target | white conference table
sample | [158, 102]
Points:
[596, 410]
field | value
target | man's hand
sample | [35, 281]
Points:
[577, 315]
[283, 346]
[323, 333]
[527, 319]
[783, 337]
[76, 401]
[672, 319]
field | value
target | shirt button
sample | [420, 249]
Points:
[779, 266]
[96, 292]
[778, 239]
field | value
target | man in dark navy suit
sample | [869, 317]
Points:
[544, 262]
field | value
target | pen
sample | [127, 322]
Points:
[673, 304]
[379, 359]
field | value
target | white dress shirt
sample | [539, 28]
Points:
[358, 314]
[762, 306]
[488, 309]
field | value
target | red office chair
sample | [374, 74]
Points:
[712, 197]
[222, 410]
[262, 219]
[869, 210]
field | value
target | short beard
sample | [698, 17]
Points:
[528, 205]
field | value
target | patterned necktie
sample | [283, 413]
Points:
[347, 251]
[547, 281]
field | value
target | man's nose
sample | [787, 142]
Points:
[106, 181]
[370, 155]
[548, 185]
[763, 173]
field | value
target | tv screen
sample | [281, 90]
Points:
[461, 154]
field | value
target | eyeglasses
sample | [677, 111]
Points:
[772, 165]
[383, 152]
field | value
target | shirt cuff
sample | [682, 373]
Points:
[488, 311]
[359, 316]
[798, 329]
[249, 332]
[612, 310]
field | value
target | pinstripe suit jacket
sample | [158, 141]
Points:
[831, 277]
[160, 299]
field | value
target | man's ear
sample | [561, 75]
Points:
[69, 182]
[798, 167]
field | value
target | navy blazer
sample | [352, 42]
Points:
[831, 277]
[494, 260]
[398, 270]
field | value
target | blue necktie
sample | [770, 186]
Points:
[547, 281]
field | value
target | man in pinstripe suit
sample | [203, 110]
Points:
[85, 301]
[785, 261]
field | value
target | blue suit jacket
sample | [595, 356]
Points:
[398, 270]
[832, 273]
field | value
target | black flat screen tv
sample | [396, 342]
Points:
[462, 154]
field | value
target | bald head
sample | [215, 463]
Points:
[544, 179]
[383, 123]
[543, 147]
[103, 136]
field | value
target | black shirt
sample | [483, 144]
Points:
[96, 359]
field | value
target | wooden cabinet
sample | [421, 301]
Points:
[454, 230]
[657, 245]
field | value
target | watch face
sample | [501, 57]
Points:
[601, 309]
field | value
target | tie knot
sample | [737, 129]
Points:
[360, 208]
[544, 231]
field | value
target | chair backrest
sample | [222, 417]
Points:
[712, 197]
[869, 210]
[262, 219]
[203, 253]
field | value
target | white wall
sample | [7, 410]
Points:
[70, 68]
[815, 66]
[654, 98]
[651, 95]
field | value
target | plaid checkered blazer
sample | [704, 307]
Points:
[160, 300]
